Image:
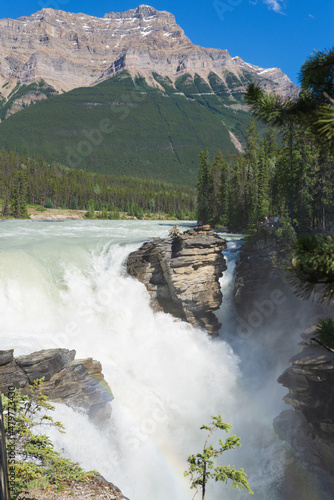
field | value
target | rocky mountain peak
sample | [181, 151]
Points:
[141, 12]
[69, 50]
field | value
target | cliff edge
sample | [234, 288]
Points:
[78, 383]
[182, 275]
[271, 313]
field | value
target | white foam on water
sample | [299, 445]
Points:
[65, 285]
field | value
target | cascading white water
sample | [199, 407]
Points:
[64, 285]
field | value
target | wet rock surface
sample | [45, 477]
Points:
[309, 428]
[79, 383]
[270, 313]
[182, 275]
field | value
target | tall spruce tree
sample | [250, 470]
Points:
[18, 199]
[237, 203]
[215, 201]
[203, 189]
[224, 191]
[251, 156]
[263, 184]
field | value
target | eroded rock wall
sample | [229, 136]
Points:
[309, 428]
[79, 383]
[182, 275]
[274, 316]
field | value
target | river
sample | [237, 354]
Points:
[64, 285]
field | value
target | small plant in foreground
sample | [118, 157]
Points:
[202, 467]
[35, 460]
[325, 332]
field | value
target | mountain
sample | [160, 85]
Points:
[76, 50]
[193, 95]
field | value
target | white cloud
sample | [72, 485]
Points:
[275, 5]
[312, 17]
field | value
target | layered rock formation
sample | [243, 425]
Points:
[74, 50]
[272, 314]
[77, 383]
[309, 428]
[182, 275]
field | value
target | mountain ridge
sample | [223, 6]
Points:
[193, 95]
[70, 50]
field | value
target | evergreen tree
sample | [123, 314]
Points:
[48, 203]
[215, 206]
[202, 467]
[74, 203]
[251, 156]
[91, 210]
[237, 211]
[18, 203]
[314, 107]
[203, 187]
[225, 188]
[263, 185]
[6, 203]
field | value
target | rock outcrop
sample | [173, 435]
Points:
[70, 50]
[182, 275]
[79, 383]
[272, 315]
[263, 292]
[309, 429]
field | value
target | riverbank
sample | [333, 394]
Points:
[37, 212]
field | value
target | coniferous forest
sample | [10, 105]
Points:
[294, 182]
[31, 180]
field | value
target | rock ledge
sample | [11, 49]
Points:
[182, 274]
[79, 383]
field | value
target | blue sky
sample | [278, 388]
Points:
[268, 33]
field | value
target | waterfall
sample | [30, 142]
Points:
[65, 285]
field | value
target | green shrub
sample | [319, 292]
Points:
[286, 236]
[35, 459]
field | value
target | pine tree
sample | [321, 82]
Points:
[215, 188]
[202, 466]
[251, 156]
[224, 193]
[237, 206]
[203, 185]
[74, 203]
[18, 203]
[263, 185]
[6, 204]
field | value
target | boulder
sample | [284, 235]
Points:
[77, 383]
[6, 357]
[182, 275]
[81, 385]
[45, 363]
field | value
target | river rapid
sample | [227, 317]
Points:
[64, 285]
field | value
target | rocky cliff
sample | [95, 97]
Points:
[309, 428]
[272, 314]
[76, 50]
[182, 275]
[79, 383]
